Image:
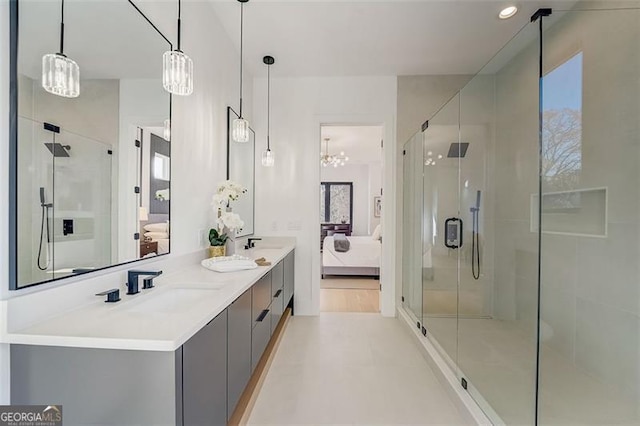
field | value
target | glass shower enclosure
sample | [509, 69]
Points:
[521, 224]
[65, 203]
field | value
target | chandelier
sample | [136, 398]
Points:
[327, 159]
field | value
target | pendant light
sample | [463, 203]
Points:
[61, 75]
[177, 68]
[268, 158]
[240, 130]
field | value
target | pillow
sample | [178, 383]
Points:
[377, 233]
[340, 243]
[156, 227]
[156, 235]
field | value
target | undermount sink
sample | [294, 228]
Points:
[170, 301]
[259, 246]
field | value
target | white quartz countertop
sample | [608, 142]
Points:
[157, 319]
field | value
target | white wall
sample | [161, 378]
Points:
[4, 190]
[358, 174]
[198, 142]
[375, 190]
[287, 201]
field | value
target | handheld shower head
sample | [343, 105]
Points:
[43, 203]
[476, 208]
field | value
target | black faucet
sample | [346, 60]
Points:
[251, 243]
[132, 280]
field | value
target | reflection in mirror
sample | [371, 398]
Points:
[92, 172]
[241, 169]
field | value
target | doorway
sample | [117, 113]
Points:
[350, 192]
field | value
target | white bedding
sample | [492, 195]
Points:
[163, 245]
[363, 253]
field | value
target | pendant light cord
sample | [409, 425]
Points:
[62, 28]
[268, 105]
[241, 50]
[179, 26]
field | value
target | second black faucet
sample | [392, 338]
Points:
[132, 280]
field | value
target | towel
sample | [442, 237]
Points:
[340, 243]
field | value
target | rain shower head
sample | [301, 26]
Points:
[458, 150]
[58, 150]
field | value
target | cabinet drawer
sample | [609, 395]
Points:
[148, 247]
[276, 309]
[239, 349]
[261, 295]
[261, 334]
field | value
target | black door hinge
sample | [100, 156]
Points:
[425, 125]
[381, 143]
[404, 152]
[136, 236]
[52, 127]
[110, 152]
[539, 13]
[138, 143]
[463, 382]
[418, 324]
[424, 331]
[136, 189]
[402, 298]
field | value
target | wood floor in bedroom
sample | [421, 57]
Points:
[349, 294]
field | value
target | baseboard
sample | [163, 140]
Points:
[464, 402]
[248, 398]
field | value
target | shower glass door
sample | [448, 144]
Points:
[443, 228]
[82, 215]
[412, 220]
[497, 329]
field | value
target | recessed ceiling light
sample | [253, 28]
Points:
[508, 12]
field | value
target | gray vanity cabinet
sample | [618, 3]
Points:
[289, 277]
[239, 349]
[277, 289]
[204, 372]
[199, 383]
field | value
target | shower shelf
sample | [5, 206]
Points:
[580, 212]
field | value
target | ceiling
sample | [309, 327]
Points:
[360, 143]
[355, 37]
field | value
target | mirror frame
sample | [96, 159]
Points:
[13, 153]
[230, 111]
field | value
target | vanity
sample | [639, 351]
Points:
[180, 353]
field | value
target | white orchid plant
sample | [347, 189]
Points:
[227, 191]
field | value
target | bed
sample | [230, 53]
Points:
[157, 230]
[363, 257]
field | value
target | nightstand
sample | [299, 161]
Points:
[147, 247]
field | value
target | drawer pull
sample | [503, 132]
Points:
[262, 315]
[277, 293]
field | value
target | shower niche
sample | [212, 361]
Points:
[90, 175]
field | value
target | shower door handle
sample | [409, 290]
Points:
[453, 233]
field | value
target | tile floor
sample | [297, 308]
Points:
[351, 368]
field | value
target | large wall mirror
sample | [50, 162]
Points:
[91, 174]
[241, 169]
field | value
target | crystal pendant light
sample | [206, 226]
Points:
[240, 128]
[268, 158]
[61, 75]
[177, 68]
